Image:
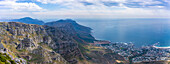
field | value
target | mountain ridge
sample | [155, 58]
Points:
[28, 20]
[74, 28]
[61, 44]
[37, 43]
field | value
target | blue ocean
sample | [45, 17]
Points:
[138, 31]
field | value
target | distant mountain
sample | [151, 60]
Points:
[73, 28]
[28, 20]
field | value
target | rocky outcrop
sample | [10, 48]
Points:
[39, 44]
[6, 58]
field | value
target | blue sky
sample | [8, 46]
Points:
[51, 9]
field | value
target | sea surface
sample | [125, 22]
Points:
[138, 31]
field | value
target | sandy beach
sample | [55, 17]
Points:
[162, 47]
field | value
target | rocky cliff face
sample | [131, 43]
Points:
[7, 58]
[39, 44]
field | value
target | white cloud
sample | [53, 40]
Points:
[150, 2]
[97, 1]
[168, 1]
[64, 1]
[12, 9]
[105, 13]
[156, 7]
[76, 9]
[73, 4]
[13, 5]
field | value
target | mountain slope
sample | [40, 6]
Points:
[74, 29]
[38, 44]
[28, 20]
[82, 35]
[52, 45]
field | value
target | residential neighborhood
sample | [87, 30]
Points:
[142, 54]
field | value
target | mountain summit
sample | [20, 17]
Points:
[73, 28]
[28, 20]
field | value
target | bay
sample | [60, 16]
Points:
[138, 31]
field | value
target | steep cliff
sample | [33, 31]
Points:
[39, 44]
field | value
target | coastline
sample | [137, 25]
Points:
[162, 47]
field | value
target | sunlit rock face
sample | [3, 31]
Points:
[39, 44]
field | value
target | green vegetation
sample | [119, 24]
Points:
[99, 55]
[23, 50]
[5, 59]
[36, 58]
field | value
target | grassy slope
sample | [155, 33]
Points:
[5, 59]
[99, 55]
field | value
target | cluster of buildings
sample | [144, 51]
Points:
[143, 54]
[153, 54]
